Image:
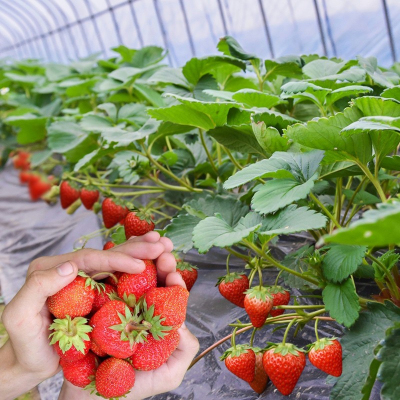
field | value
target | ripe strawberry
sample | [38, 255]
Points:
[113, 212]
[75, 299]
[24, 176]
[81, 372]
[326, 355]
[284, 365]
[241, 361]
[114, 378]
[71, 338]
[96, 349]
[280, 297]
[102, 297]
[137, 224]
[108, 245]
[154, 353]
[258, 304]
[21, 161]
[69, 193]
[188, 273]
[233, 287]
[169, 303]
[114, 329]
[37, 187]
[89, 196]
[138, 284]
[260, 381]
[111, 281]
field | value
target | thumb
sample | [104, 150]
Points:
[41, 284]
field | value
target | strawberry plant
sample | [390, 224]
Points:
[233, 152]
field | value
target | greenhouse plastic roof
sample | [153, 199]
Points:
[61, 30]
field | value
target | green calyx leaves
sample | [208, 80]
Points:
[236, 351]
[259, 293]
[185, 266]
[322, 343]
[229, 278]
[70, 333]
[157, 330]
[287, 348]
[91, 282]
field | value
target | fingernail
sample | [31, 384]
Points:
[65, 269]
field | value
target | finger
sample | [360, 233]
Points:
[166, 264]
[187, 349]
[167, 243]
[150, 237]
[90, 260]
[141, 250]
[175, 279]
[31, 298]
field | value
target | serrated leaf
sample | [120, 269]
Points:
[362, 197]
[376, 228]
[341, 261]
[288, 66]
[320, 68]
[214, 231]
[39, 157]
[377, 106]
[347, 91]
[148, 94]
[228, 45]
[358, 348]
[64, 136]
[180, 231]
[341, 301]
[273, 118]
[31, 127]
[95, 123]
[269, 138]
[169, 75]
[255, 98]
[118, 236]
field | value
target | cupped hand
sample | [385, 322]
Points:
[27, 319]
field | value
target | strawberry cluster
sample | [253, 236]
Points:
[104, 331]
[283, 363]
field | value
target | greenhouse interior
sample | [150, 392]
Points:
[199, 200]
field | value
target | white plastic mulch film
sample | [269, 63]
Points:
[63, 30]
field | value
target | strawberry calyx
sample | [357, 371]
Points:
[132, 326]
[70, 333]
[277, 289]
[92, 283]
[73, 185]
[185, 266]
[229, 278]
[321, 343]
[157, 330]
[257, 350]
[236, 351]
[259, 293]
[144, 216]
[285, 349]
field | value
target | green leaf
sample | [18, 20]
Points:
[367, 125]
[125, 52]
[128, 75]
[358, 348]
[88, 145]
[392, 163]
[292, 219]
[370, 65]
[321, 68]
[214, 231]
[150, 95]
[362, 197]
[31, 127]
[273, 118]
[57, 72]
[169, 75]
[373, 372]
[269, 138]
[255, 98]
[341, 261]
[39, 157]
[389, 370]
[341, 301]
[118, 236]
[64, 136]
[392, 93]
[377, 106]
[195, 68]
[110, 109]
[228, 45]
[305, 91]
[180, 231]
[376, 228]
[95, 123]
[346, 91]
[147, 56]
[288, 66]
[238, 138]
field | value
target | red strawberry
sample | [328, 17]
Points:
[81, 372]
[101, 297]
[188, 273]
[69, 193]
[137, 224]
[89, 196]
[112, 326]
[280, 297]
[96, 349]
[259, 383]
[241, 361]
[169, 303]
[113, 212]
[114, 378]
[108, 245]
[111, 281]
[138, 284]
[258, 304]
[75, 299]
[24, 176]
[326, 355]
[21, 161]
[284, 365]
[233, 287]
[37, 187]
[154, 353]
[71, 338]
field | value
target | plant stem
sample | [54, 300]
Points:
[252, 336]
[234, 162]
[352, 198]
[210, 159]
[287, 330]
[372, 179]
[325, 210]
[233, 338]
[316, 329]
[301, 307]
[227, 264]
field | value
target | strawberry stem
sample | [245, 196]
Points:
[227, 263]
[316, 329]
[277, 278]
[110, 274]
[252, 336]
[287, 330]
[233, 338]
[259, 274]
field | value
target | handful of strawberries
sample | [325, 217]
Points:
[104, 331]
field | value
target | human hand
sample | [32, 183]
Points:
[27, 319]
[164, 379]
